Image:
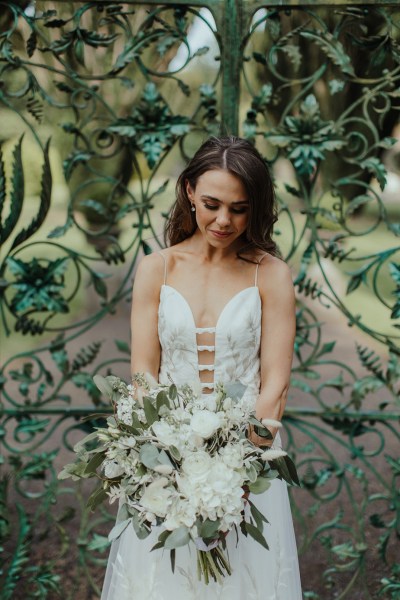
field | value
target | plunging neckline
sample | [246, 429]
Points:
[250, 287]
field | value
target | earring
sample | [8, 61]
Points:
[193, 208]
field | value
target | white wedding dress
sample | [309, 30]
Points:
[135, 573]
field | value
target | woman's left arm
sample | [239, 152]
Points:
[278, 330]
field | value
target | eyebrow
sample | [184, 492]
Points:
[207, 197]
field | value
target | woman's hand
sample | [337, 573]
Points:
[258, 440]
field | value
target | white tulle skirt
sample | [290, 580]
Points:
[135, 573]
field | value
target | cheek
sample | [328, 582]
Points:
[243, 221]
[203, 214]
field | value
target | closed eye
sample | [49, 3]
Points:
[236, 211]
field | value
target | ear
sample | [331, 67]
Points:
[189, 190]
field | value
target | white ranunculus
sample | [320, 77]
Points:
[156, 497]
[196, 466]
[272, 454]
[205, 423]
[164, 432]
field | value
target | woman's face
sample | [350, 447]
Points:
[222, 207]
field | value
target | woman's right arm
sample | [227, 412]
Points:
[145, 346]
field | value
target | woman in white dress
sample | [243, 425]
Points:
[217, 305]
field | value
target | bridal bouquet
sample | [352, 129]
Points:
[182, 461]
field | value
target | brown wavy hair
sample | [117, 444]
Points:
[239, 157]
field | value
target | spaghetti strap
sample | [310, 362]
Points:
[165, 267]
[258, 264]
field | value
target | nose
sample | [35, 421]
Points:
[223, 218]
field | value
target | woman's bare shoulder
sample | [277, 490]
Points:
[150, 272]
[176, 254]
[275, 277]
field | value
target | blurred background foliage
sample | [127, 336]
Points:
[101, 104]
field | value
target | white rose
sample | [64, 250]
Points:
[205, 423]
[196, 466]
[156, 497]
[164, 432]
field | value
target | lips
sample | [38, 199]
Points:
[221, 234]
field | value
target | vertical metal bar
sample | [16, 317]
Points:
[231, 31]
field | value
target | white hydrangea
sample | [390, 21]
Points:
[181, 513]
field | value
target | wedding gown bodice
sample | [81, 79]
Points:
[236, 346]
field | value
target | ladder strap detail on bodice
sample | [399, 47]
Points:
[235, 347]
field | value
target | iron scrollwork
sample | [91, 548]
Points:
[101, 103]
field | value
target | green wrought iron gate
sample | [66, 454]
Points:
[101, 103]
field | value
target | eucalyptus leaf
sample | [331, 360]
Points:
[162, 400]
[256, 535]
[286, 469]
[257, 516]
[123, 513]
[118, 529]
[149, 456]
[259, 486]
[150, 411]
[179, 537]
[141, 530]
[175, 453]
[209, 529]
[251, 474]
[103, 385]
[95, 462]
[79, 446]
[163, 458]
[96, 498]
[235, 390]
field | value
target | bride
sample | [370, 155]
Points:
[217, 305]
